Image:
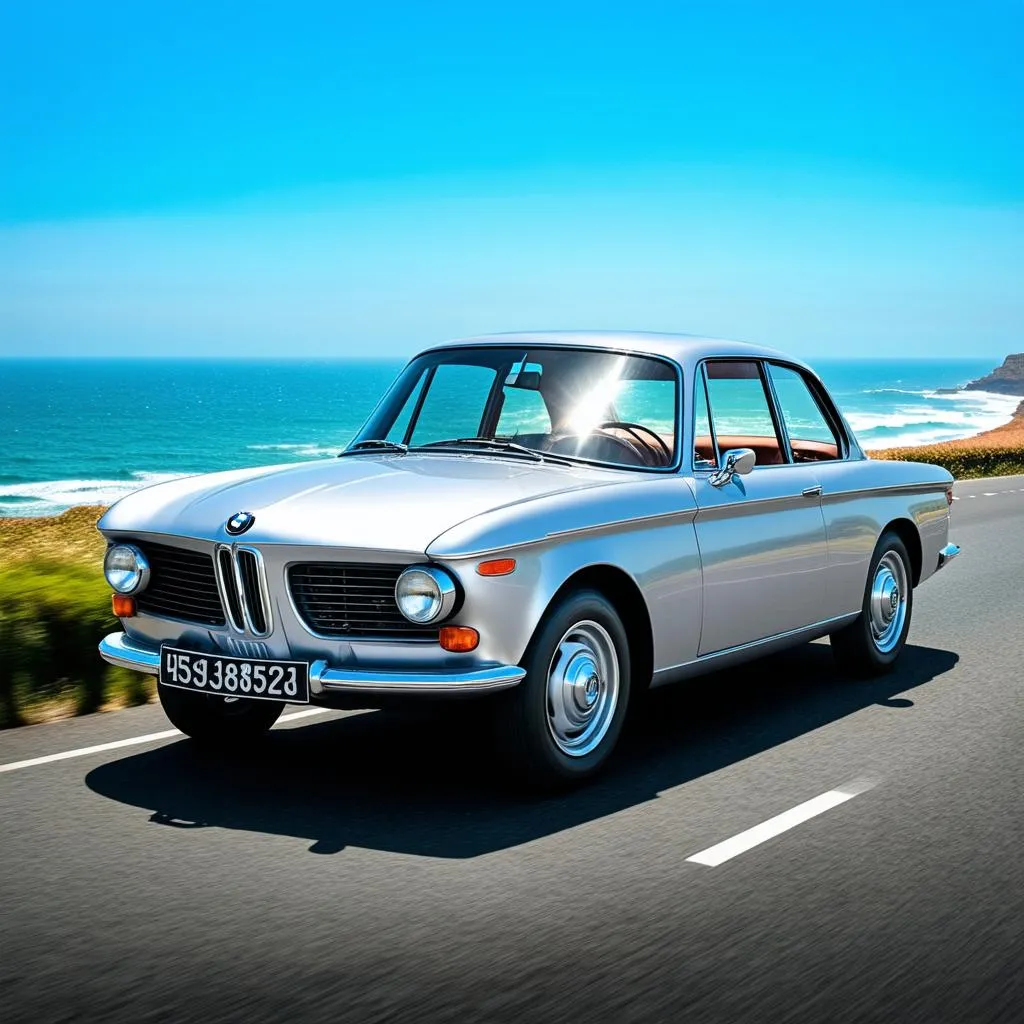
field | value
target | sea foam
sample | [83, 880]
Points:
[45, 497]
[934, 416]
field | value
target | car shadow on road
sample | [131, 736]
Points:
[426, 784]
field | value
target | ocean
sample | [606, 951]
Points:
[84, 432]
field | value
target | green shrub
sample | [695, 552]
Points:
[965, 462]
[52, 616]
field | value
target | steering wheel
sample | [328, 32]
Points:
[636, 454]
[638, 428]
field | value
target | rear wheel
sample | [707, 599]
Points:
[218, 721]
[872, 643]
[561, 723]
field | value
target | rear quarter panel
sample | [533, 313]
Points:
[859, 499]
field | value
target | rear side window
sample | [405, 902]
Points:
[811, 437]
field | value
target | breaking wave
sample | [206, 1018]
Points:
[46, 497]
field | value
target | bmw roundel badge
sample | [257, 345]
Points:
[239, 523]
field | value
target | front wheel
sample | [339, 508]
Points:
[561, 723]
[872, 642]
[215, 721]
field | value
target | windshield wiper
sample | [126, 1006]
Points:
[497, 444]
[374, 444]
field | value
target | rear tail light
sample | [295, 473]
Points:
[949, 496]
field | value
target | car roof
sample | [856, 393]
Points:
[685, 349]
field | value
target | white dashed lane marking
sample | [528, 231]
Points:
[729, 848]
[132, 741]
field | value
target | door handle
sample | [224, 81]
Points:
[812, 492]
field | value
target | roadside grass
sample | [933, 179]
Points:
[54, 608]
[965, 462]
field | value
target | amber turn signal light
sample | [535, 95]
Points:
[459, 638]
[497, 567]
[124, 606]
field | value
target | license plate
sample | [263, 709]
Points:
[235, 677]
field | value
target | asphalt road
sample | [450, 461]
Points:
[366, 867]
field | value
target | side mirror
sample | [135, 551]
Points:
[736, 461]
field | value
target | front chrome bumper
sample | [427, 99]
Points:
[120, 649]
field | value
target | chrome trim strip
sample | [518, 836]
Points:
[939, 489]
[261, 586]
[947, 554]
[120, 649]
[681, 515]
[750, 645]
[222, 585]
[481, 680]
[751, 506]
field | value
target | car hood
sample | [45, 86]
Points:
[379, 502]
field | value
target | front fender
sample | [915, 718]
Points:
[644, 529]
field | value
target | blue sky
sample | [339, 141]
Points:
[362, 179]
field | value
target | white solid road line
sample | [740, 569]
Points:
[304, 713]
[132, 741]
[729, 848]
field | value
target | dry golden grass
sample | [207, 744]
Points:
[68, 539]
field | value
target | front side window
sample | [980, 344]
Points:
[811, 438]
[740, 412]
[704, 456]
[567, 404]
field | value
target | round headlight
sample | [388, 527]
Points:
[126, 568]
[425, 594]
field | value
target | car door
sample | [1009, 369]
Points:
[761, 535]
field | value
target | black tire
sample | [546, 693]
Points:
[215, 722]
[525, 716]
[858, 648]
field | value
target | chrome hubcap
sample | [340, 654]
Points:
[583, 688]
[888, 602]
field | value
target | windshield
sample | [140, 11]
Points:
[556, 403]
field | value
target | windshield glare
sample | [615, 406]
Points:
[592, 406]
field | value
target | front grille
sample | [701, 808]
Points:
[227, 575]
[182, 585]
[252, 592]
[243, 586]
[352, 600]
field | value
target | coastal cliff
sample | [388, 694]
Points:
[1007, 379]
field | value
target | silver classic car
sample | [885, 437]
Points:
[549, 522]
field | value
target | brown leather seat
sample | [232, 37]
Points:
[813, 451]
[765, 448]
